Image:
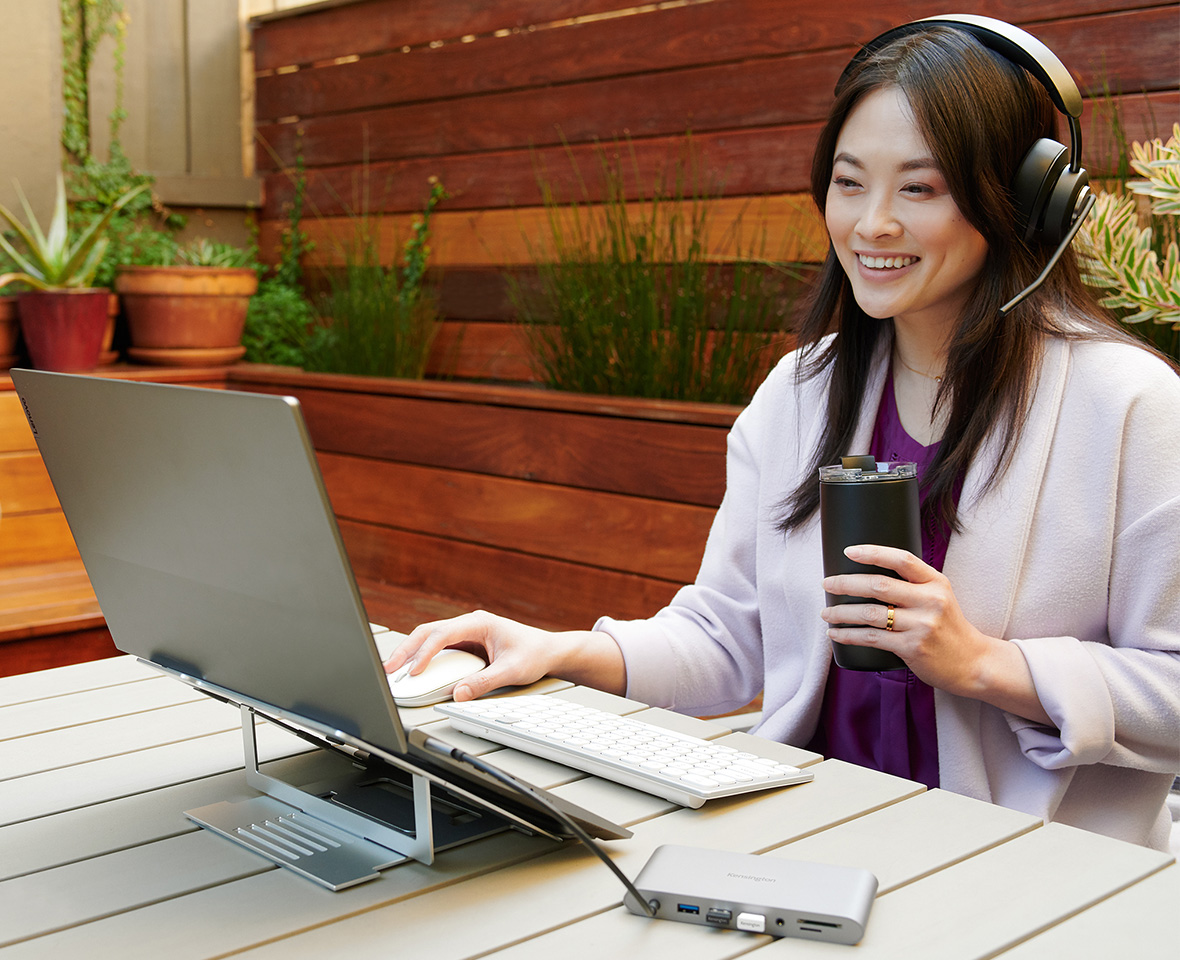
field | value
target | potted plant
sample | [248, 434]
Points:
[189, 313]
[63, 317]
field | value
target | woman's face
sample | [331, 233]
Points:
[908, 251]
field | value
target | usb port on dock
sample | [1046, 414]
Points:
[719, 916]
[688, 908]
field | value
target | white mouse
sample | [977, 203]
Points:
[435, 683]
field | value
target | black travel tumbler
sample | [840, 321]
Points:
[862, 501]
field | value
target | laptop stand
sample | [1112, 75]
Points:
[326, 841]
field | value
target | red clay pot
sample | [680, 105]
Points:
[63, 329]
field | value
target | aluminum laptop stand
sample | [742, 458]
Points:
[343, 830]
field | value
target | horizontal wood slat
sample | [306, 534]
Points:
[542, 591]
[35, 538]
[402, 608]
[754, 162]
[24, 484]
[681, 463]
[286, 380]
[31, 583]
[1141, 116]
[474, 350]
[791, 225]
[371, 27]
[632, 534]
[46, 652]
[49, 617]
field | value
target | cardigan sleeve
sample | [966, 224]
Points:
[1115, 699]
[703, 653]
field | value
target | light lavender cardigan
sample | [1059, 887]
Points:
[1074, 555]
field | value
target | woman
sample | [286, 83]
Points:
[1041, 628]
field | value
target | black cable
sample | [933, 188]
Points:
[438, 746]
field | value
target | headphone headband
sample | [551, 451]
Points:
[1013, 44]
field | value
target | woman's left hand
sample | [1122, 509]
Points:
[928, 630]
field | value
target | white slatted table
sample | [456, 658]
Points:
[99, 761]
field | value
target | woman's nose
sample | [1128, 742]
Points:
[878, 219]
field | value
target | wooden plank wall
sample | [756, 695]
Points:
[479, 495]
[484, 93]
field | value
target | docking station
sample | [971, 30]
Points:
[759, 894]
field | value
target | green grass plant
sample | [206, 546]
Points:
[628, 300]
[280, 322]
[378, 320]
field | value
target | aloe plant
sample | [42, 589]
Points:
[210, 253]
[53, 259]
[1136, 263]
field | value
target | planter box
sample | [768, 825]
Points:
[550, 507]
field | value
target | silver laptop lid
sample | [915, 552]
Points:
[209, 539]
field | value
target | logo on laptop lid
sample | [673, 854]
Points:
[28, 415]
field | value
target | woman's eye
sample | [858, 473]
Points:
[846, 182]
[917, 188]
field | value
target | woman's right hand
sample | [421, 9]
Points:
[517, 654]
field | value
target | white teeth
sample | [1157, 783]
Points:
[885, 263]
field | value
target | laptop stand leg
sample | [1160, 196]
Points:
[311, 836]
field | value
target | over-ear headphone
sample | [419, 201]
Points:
[1052, 193]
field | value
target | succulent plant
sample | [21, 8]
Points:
[1137, 264]
[53, 259]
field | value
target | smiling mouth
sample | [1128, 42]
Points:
[886, 263]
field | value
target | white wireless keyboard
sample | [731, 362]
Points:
[684, 769]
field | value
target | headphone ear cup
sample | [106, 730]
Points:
[1065, 202]
[1034, 184]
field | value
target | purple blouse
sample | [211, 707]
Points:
[886, 720]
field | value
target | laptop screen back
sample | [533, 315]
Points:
[209, 539]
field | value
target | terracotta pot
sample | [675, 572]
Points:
[185, 316]
[9, 332]
[63, 329]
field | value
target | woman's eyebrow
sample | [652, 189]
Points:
[917, 163]
[920, 163]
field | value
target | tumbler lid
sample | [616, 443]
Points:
[847, 472]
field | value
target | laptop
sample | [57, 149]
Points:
[213, 550]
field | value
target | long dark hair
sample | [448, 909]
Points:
[979, 114]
